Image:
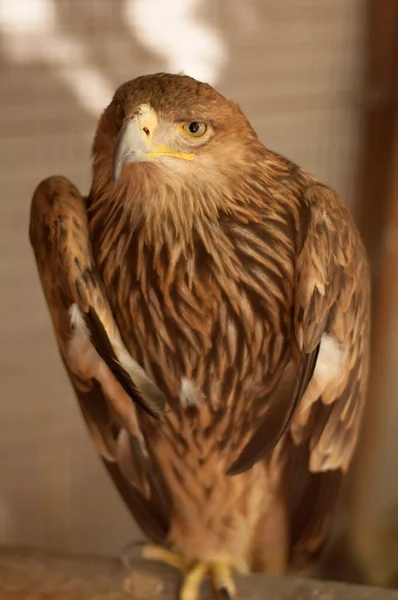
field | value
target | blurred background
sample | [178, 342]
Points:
[318, 80]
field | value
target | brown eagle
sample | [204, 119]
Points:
[211, 304]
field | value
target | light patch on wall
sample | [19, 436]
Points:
[30, 32]
[26, 14]
[172, 30]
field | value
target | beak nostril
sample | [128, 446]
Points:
[146, 130]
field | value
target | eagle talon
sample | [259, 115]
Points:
[165, 556]
[222, 580]
[193, 573]
[224, 593]
[190, 589]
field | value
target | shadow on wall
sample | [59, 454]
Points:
[37, 31]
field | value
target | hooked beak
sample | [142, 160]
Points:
[134, 142]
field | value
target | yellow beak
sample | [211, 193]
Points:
[134, 141]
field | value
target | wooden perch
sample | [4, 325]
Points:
[37, 575]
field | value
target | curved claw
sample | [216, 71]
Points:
[224, 594]
[222, 580]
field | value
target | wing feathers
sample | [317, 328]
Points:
[331, 309]
[104, 375]
[59, 236]
[136, 384]
[277, 418]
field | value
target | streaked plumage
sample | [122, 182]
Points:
[218, 342]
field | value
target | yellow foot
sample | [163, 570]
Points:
[219, 571]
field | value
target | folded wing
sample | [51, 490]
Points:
[111, 387]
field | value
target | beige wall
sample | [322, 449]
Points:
[294, 65]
